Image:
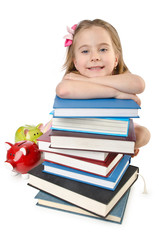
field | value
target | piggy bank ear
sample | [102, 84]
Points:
[26, 131]
[8, 145]
[40, 126]
[23, 150]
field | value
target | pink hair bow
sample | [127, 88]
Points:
[69, 36]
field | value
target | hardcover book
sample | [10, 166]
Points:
[102, 168]
[106, 107]
[94, 142]
[110, 182]
[106, 126]
[97, 200]
[116, 214]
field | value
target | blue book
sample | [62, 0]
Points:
[101, 107]
[115, 215]
[109, 182]
[104, 126]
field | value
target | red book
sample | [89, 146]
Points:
[87, 165]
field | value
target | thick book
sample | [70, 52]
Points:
[106, 126]
[44, 144]
[116, 214]
[109, 182]
[94, 142]
[97, 200]
[101, 107]
[102, 168]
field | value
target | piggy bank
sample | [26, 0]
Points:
[29, 133]
[22, 156]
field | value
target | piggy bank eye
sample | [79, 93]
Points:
[34, 134]
[12, 154]
[37, 133]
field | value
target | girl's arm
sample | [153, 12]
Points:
[86, 90]
[126, 82]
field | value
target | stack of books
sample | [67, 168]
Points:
[87, 153]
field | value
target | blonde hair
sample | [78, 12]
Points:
[85, 24]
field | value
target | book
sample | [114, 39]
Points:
[106, 126]
[98, 201]
[101, 107]
[102, 168]
[94, 142]
[44, 143]
[116, 214]
[109, 182]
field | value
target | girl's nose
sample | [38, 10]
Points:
[95, 56]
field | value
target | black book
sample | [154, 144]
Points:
[93, 199]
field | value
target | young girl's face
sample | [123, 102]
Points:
[94, 53]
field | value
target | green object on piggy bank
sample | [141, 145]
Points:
[29, 133]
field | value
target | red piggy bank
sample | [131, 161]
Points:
[22, 156]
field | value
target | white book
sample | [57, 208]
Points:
[44, 144]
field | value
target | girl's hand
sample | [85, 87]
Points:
[74, 77]
[121, 95]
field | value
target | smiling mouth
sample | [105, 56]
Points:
[96, 68]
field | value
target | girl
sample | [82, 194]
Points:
[95, 69]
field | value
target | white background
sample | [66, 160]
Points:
[31, 57]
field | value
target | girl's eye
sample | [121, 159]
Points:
[85, 51]
[103, 49]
